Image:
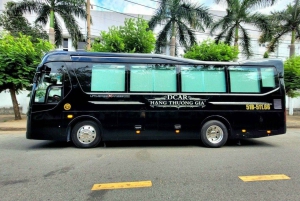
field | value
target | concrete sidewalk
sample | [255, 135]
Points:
[7, 123]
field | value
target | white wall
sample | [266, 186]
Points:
[2, 4]
[22, 98]
[296, 102]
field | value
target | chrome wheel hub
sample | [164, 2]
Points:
[86, 134]
[214, 134]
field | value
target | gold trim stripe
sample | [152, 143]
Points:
[122, 185]
[264, 177]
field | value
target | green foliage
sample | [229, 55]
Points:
[66, 11]
[134, 36]
[283, 23]
[110, 41]
[208, 50]
[266, 55]
[18, 60]
[231, 28]
[179, 19]
[16, 23]
[292, 76]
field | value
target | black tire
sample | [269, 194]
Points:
[214, 134]
[86, 134]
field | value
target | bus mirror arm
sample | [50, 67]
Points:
[280, 75]
[35, 78]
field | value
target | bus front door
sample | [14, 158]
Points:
[45, 113]
[45, 118]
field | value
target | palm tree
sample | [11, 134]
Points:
[283, 23]
[239, 13]
[53, 9]
[17, 24]
[181, 19]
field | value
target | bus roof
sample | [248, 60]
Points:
[83, 56]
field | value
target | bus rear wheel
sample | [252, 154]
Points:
[86, 134]
[214, 134]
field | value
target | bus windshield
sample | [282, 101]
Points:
[49, 85]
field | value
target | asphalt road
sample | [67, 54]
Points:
[45, 170]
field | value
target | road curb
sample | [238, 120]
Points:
[12, 129]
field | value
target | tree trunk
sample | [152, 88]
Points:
[51, 29]
[172, 46]
[15, 104]
[292, 46]
[236, 40]
[51, 18]
[51, 36]
[172, 43]
[292, 50]
[291, 106]
[88, 27]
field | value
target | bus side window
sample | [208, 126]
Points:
[153, 78]
[244, 79]
[40, 93]
[54, 94]
[101, 77]
[108, 77]
[203, 79]
[268, 77]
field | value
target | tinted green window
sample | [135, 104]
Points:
[141, 79]
[268, 77]
[244, 80]
[108, 77]
[148, 78]
[203, 79]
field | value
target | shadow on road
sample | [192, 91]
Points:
[151, 143]
[248, 143]
[51, 145]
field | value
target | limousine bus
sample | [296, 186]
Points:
[88, 97]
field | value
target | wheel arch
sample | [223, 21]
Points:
[82, 118]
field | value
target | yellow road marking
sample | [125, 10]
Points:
[264, 177]
[120, 185]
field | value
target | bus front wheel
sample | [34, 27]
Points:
[86, 134]
[214, 134]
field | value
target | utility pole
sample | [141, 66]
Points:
[88, 18]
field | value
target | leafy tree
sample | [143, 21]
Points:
[239, 13]
[292, 76]
[54, 10]
[18, 60]
[134, 36]
[110, 41]
[292, 79]
[283, 23]
[180, 19]
[16, 24]
[208, 50]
